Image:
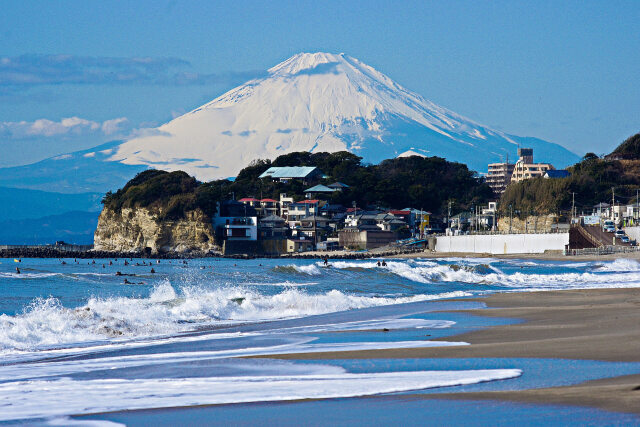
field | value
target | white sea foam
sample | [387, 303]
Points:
[311, 269]
[47, 323]
[620, 265]
[295, 345]
[390, 324]
[286, 284]
[40, 398]
[26, 275]
[621, 273]
[74, 422]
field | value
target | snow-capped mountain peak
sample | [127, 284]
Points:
[317, 102]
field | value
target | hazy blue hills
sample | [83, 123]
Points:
[72, 227]
[18, 203]
[79, 172]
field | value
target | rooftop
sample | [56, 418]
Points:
[289, 172]
[338, 184]
[319, 189]
[561, 173]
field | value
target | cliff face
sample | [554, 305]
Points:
[134, 230]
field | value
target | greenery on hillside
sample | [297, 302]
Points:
[427, 183]
[174, 193]
[628, 150]
[592, 180]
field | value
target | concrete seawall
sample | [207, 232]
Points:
[503, 243]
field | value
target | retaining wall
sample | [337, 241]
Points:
[503, 243]
[633, 233]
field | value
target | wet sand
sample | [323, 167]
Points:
[599, 324]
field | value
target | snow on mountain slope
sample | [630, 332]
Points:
[320, 102]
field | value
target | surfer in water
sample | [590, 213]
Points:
[152, 270]
[384, 263]
[379, 264]
[17, 270]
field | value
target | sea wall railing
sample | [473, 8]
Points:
[603, 250]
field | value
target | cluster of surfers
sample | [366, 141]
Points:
[118, 273]
[325, 261]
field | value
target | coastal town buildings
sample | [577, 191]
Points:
[499, 176]
[236, 221]
[525, 168]
[288, 224]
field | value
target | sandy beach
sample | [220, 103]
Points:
[602, 324]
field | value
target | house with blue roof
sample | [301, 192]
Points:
[287, 173]
[319, 189]
[561, 173]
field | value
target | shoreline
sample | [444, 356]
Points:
[594, 324]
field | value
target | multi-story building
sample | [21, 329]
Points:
[525, 168]
[499, 176]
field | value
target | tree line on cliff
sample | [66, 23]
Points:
[428, 183]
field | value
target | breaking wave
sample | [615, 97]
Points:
[46, 323]
[309, 270]
[619, 273]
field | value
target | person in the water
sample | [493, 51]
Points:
[379, 264]
[17, 270]
[152, 270]
[384, 263]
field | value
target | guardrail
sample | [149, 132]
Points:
[502, 233]
[603, 250]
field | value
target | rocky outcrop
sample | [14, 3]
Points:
[531, 224]
[142, 230]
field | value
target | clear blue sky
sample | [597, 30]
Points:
[564, 71]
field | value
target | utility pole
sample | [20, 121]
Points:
[573, 207]
[637, 210]
[510, 217]
[613, 201]
[494, 226]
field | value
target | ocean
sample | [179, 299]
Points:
[82, 341]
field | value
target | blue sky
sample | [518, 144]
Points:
[565, 71]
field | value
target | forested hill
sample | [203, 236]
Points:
[628, 150]
[592, 180]
[428, 183]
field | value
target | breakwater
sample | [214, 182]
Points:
[54, 252]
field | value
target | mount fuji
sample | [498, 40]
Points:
[310, 102]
